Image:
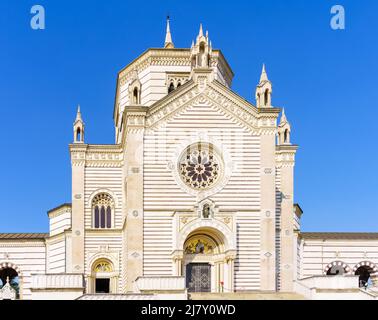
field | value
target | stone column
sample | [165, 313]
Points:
[77, 242]
[134, 145]
[267, 215]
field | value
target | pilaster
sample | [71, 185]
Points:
[78, 152]
[285, 160]
[267, 217]
[134, 146]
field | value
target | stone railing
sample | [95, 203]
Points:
[156, 284]
[57, 281]
[331, 282]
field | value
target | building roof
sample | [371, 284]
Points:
[21, 236]
[340, 235]
[59, 207]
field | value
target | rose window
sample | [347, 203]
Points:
[199, 167]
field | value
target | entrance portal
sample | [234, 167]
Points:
[198, 277]
[102, 285]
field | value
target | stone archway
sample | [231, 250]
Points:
[11, 274]
[207, 264]
[366, 271]
[336, 268]
[103, 277]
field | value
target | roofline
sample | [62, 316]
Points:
[23, 236]
[339, 235]
[67, 204]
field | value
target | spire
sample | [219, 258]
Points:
[168, 37]
[200, 34]
[283, 117]
[78, 127]
[284, 130]
[264, 76]
[78, 114]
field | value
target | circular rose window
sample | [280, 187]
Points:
[199, 166]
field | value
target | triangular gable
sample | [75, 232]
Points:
[214, 94]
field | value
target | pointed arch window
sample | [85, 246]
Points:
[136, 96]
[266, 97]
[78, 135]
[171, 87]
[103, 211]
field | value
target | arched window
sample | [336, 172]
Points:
[78, 134]
[9, 275]
[364, 270]
[171, 87]
[136, 96]
[266, 97]
[102, 273]
[336, 268]
[286, 136]
[202, 56]
[103, 207]
[179, 84]
[121, 125]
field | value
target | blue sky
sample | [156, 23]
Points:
[325, 79]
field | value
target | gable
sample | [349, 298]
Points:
[227, 103]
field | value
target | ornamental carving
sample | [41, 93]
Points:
[103, 266]
[199, 246]
[199, 167]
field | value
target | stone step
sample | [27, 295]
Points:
[246, 296]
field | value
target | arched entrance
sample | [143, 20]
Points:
[206, 265]
[336, 268]
[364, 270]
[10, 275]
[103, 277]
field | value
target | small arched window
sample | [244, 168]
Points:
[171, 87]
[136, 96]
[102, 207]
[78, 134]
[121, 124]
[266, 97]
[286, 133]
[179, 84]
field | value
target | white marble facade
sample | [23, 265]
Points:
[196, 195]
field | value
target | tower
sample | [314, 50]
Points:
[78, 127]
[284, 130]
[201, 51]
[264, 91]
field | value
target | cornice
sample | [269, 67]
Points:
[97, 156]
[66, 208]
[286, 148]
[285, 155]
[22, 243]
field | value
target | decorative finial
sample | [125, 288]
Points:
[200, 34]
[7, 280]
[264, 76]
[283, 117]
[78, 114]
[168, 44]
